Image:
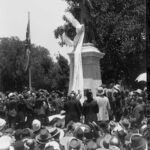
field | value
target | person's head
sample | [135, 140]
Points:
[100, 91]
[138, 92]
[139, 100]
[30, 144]
[70, 126]
[89, 95]
[52, 145]
[25, 133]
[138, 143]
[43, 137]
[72, 95]
[18, 134]
[110, 85]
[36, 125]
[126, 93]
[115, 141]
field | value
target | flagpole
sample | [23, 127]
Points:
[30, 79]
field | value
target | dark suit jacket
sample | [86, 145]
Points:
[73, 110]
[90, 110]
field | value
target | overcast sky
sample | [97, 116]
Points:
[45, 17]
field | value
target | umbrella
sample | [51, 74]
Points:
[142, 77]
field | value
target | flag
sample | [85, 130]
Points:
[27, 44]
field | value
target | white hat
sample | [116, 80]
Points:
[2, 123]
[131, 93]
[59, 116]
[139, 91]
[117, 87]
[11, 94]
[100, 91]
[36, 125]
[145, 89]
[5, 143]
[53, 144]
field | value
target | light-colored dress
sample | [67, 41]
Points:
[104, 107]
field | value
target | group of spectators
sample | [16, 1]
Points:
[115, 119]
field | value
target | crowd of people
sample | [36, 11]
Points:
[114, 119]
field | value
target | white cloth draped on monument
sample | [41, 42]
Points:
[76, 70]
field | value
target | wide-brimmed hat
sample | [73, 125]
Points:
[115, 141]
[5, 143]
[138, 142]
[83, 132]
[112, 124]
[59, 116]
[117, 87]
[95, 129]
[138, 91]
[74, 144]
[55, 132]
[100, 91]
[2, 123]
[76, 125]
[29, 144]
[70, 142]
[36, 125]
[125, 123]
[117, 128]
[143, 129]
[57, 120]
[43, 137]
[9, 131]
[53, 145]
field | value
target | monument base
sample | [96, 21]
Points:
[91, 67]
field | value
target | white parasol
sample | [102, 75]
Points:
[142, 77]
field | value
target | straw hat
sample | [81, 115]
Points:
[55, 132]
[36, 125]
[43, 137]
[100, 91]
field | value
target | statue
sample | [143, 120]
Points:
[76, 70]
[85, 58]
[86, 8]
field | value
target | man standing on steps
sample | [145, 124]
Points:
[73, 109]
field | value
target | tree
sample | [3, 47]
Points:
[119, 25]
[11, 62]
[45, 73]
[61, 74]
[42, 67]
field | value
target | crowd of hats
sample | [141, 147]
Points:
[55, 135]
[118, 136]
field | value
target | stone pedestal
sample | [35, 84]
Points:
[91, 67]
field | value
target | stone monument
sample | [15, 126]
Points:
[85, 72]
[91, 66]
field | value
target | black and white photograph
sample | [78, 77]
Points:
[74, 75]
